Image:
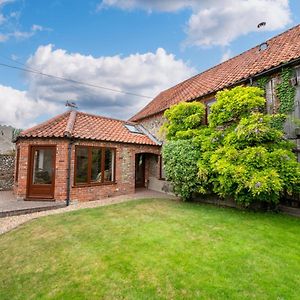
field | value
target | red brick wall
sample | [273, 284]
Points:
[124, 171]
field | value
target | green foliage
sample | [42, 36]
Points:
[242, 154]
[286, 92]
[254, 130]
[180, 159]
[234, 104]
[16, 132]
[254, 174]
[182, 119]
[152, 249]
[262, 82]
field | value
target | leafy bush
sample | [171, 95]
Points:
[183, 119]
[234, 104]
[180, 165]
[241, 154]
[254, 174]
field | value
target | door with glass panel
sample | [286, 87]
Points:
[140, 170]
[41, 172]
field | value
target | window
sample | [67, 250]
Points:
[94, 165]
[42, 166]
[109, 165]
[132, 128]
[208, 104]
[82, 165]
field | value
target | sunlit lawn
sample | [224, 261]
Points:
[153, 249]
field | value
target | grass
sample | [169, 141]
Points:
[153, 249]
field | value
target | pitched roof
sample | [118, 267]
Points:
[281, 49]
[87, 126]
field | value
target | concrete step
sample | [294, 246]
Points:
[24, 211]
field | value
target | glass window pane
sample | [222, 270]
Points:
[96, 165]
[42, 166]
[209, 104]
[132, 128]
[109, 165]
[81, 165]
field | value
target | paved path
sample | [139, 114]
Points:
[9, 223]
[9, 205]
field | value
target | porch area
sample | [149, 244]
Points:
[10, 206]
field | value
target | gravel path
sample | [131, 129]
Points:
[9, 223]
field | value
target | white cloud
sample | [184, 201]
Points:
[18, 108]
[3, 2]
[217, 22]
[10, 25]
[27, 34]
[154, 5]
[146, 74]
[225, 21]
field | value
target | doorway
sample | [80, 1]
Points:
[41, 177]
[140, 170]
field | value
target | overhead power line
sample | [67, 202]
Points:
[73, 81]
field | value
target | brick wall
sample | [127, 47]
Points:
[7, 165]
[153, 124]
[124, 171]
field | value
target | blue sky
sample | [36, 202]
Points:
[138, 46]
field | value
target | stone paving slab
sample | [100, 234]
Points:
[9, 223]
[10, 206]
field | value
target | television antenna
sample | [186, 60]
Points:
[261, 24]
[70, 104]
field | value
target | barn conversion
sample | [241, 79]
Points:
[78, 156]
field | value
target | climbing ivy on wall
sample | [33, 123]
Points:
[262, 83]
[286, 92]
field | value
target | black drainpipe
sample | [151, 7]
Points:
[69, 172]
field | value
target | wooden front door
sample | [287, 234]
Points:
[41, 177]
[140, 170]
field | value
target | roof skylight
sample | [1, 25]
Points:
[132, 128]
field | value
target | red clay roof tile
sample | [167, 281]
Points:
[282, 48]
[81, 125]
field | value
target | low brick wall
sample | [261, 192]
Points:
[7, 167]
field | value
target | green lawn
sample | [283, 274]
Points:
[153, 249]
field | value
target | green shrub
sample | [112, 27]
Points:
[254, 174]
[180, 163]
[183, 119]
[234, 104]
[242, 154]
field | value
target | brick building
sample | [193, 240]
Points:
[81, 157]
[77, 156]
[263, 61]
